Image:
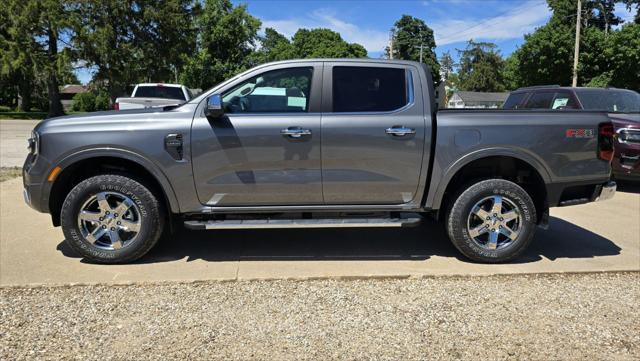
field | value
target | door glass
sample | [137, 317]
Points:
[513, 101]
[277, 91]
[368, 89]
[563, 100]
[541, 100]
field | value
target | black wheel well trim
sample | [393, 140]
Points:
[116, 153]
[450, 174]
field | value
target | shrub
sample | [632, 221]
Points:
[84, 102]
[102, 101]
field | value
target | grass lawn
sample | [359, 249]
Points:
[23, 115]
[7, 173]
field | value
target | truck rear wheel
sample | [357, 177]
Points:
[492, 221]
[111, 219]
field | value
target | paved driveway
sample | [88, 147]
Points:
[13, 141]
[594, 237]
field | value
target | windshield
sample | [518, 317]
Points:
[610, 100]
[159, 91]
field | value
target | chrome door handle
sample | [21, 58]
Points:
[399, 131]
[295, 132]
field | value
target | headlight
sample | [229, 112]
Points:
[629, 135]
[34, 142]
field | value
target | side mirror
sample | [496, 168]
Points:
[214, 109]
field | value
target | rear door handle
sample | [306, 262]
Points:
[399, 131]
[295, 132]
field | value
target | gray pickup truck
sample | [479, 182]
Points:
[313, 144]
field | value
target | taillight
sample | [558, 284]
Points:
[605, 141]
[116, 106]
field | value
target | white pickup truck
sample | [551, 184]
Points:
[154, 95]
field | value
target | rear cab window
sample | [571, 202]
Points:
[370, 89]
[159, 91]
[540, 100]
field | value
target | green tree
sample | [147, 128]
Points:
[274, 47]
[409, 36]
[481, 68]
[546, 57]
[324, 43]
[132, 41]
[227, 36]
[446, 65]
[32, 47]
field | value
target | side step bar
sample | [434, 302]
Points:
[303, 223]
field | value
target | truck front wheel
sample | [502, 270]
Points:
[111, 219]
[492, 221]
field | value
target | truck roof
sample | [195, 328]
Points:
[555, 86]
[346, 60]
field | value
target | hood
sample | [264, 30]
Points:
[102, 118]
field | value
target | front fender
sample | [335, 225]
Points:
[147, 164]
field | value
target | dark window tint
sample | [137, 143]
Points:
[610, 100]
[276, 91]
[362, 89]
[514, 100]
[159, 92]
[540, 100]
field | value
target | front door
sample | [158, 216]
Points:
[265, 150]
[373, 133]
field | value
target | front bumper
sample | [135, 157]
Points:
[33, 180]
[607, 191]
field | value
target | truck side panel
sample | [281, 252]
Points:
[543, 139]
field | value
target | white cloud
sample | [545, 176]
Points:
[373, 40]
[512, 24]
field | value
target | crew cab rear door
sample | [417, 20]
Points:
[265, 149]
[373, 133]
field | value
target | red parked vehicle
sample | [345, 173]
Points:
[622, 105]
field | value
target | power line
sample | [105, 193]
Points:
[495, 18]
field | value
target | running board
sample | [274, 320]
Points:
[303, 223]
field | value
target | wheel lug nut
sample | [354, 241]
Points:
[115, 214]
[113, 228]
[493, 230]
[100, 219]
[104, 227]
[107, 212]
[488, 218]
[118, 223]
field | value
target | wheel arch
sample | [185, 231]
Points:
[521, 168]
[84, 164]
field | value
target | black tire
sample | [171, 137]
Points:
[459, 218]
[149, 217]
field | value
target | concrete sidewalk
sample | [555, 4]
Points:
[595, 237]
[13, 141]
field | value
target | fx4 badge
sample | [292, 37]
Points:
[579, 133]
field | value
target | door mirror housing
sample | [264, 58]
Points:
[213, 109]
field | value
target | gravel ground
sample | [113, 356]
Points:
[7, 173]
[571, 316]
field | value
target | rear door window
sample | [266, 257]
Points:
[540, 100]
[369, 89]
[514, 100]
[564, 100]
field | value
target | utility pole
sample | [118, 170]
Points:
[576, 52]
[391, 33]
[421, 46]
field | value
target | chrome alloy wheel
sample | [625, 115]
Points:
[494, 222]
[109, 220]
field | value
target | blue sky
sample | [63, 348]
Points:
[367, 22]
